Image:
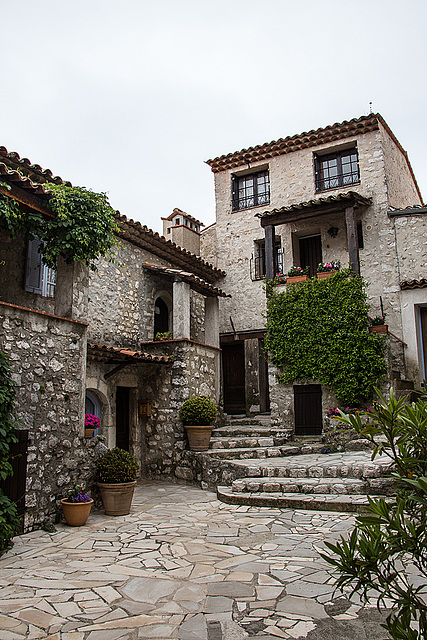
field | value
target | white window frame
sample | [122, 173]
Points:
[39, 278]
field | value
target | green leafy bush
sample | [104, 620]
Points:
[387, 549]
[319, 331]
[198, 410]
[115, 466]
[82, 229]
[9, 520]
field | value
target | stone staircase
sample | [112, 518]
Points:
[252, 463]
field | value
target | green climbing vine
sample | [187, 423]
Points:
[9, 520]
[82, 229]
[318, 330]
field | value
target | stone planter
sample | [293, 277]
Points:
[76, 513]
[117, 498]
[293, 279]
[199, 437]
[325, 274]
[379, 328]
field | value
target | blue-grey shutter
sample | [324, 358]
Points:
[33, 280]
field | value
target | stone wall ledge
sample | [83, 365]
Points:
[178, 341]
[42, 313]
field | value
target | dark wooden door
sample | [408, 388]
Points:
[423, 318]
[14, 486]
[310, 252]
[122, 418]
[264, 390]
[233, 370]
[308, 409]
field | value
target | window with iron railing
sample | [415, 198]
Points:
[258, 264]
[250, 190]
[336, 169]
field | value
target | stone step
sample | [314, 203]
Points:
[242, 442]
[356, 503]
[231, 431]
[341, 486]
[260, 419]
[245, 453]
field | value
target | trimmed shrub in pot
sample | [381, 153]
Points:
[198, 414]
[116, 476]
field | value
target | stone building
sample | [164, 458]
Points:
[344, 192]
[86, 342]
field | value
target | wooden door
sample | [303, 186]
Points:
[308, 409]
[14, 486]
[423, 319]
[233, 370]
[264, 390]
[310, 251]
[122, 418]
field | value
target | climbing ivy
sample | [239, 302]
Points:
[82, 229]
[9, 520]
[318, 330]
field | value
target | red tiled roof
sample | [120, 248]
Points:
[112, 355]
[33, 171]
[198, 284]
[313, 138]
[414, 284]
[178, 212]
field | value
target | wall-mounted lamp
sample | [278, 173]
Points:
[144, 408]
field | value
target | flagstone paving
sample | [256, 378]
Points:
[183, 566]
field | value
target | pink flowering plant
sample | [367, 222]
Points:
[335, 265]
[77, 494]
[298, 271]
[91, 421]
[336, 413]
[281, 277]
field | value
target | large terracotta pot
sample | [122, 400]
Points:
[76, 513]
[325, 274]
[292, 279]
[379, 328]
[199, 437]
[117, 498]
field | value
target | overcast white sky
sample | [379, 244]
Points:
[132, 96]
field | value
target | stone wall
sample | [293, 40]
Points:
[48, 361]
[401, 188]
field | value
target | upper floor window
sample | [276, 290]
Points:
[39, 278]
[258, 263]
[336, 169]
[251, 190]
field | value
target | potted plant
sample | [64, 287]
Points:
[76, 506]
[327, 269]
[116, 473]
[378, 325]
[198, 414]
[91, 423]
[297, 274]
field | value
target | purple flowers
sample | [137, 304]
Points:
[91, 421]
[77, 494]
[347, 410]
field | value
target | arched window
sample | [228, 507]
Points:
[93, 407]
[161, 317]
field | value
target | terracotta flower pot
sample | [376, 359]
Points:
[198, 437]
[88, 432]
[76, 513]
[117, 498]
[379, 328]
[293, 279]
[325, 274]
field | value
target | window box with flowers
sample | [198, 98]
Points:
[327, 269]
[297, 274]
[91, 423]
[378, 325]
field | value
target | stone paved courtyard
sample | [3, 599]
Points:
[181, 566]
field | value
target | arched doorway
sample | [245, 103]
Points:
[161, 317]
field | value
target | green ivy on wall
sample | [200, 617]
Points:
[318, 330]
[82, 229]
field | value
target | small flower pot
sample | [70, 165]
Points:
[199, 437]
[117, 498]
[88, 432]
[325, 274]
[379, 328]
[76, 513]
[293, 279]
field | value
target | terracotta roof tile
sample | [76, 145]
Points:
[197, 283]
[341, 198]
[414, 284]
[105, 353]
[178, 212]
[33, 171]
[313, 138]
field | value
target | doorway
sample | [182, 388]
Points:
[161, 317]
[122, 418]
[310, 251]
[233, 372]
[308, 409]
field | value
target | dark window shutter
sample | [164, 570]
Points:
[33, 281]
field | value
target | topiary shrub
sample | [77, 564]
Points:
[116, 466]
[198, 410]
